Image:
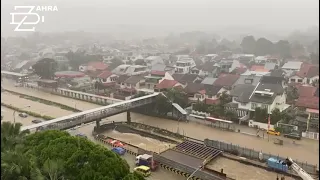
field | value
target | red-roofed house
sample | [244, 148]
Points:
[155, 77]
[93, 66]
[306, 91]
[308, 102]
[107, 78]
[239, 70]
[167, 84]
[208, 94]
[257, 68]
[226, 80]
[307, 74]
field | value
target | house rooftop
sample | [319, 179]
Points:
[243, 92]
[308, 71]
[208, 80]
[307, 91]
[308, 102]
[185, 78]
[226, 80]
[133, 80]
[192, 88]
[166, 84]
[292, 65]
[104, 74]
[255, 73]
[98, 65]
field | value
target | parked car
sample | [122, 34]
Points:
[81, 135]
[36, 121]
[273, 132]
[293, 135]
[23, 115]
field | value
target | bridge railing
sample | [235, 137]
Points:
[91, 115]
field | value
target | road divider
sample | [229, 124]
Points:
[43, 101]
[30, 113]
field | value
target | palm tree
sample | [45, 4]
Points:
[11, 135]
[15, 164]
[54, 169]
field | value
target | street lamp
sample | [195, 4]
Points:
[14, 114]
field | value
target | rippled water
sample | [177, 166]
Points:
[140, 141]
[239, 171]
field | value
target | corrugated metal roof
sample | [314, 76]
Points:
[179, 108]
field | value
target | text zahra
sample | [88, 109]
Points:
[47, 8]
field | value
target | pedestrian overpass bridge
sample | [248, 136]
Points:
[96, 114]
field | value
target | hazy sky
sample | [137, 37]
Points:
[182, 15]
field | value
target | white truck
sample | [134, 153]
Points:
[259, 125]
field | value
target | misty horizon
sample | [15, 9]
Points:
[158, 18]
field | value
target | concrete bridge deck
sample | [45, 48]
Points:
[93, 114]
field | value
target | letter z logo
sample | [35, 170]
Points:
[24, 15]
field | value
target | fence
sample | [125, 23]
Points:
[253, 154]
[311, 135]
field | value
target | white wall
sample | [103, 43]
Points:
[279, 99]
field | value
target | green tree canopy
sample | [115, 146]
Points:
[45, 68]
[264, 47]
[248, 44]
[57, 155]
[283, 48]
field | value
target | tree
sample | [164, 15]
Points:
[264, 47]
[177, 96]
[11, 135]
[248, 44]
[140, 62]
[314, 58]
[275, 116]
[80, 57]
[60, 156]
[115, 62]
[292, 93]
[230, 114]
[45, 68]
[261, 115]
[224, 98]
[297, 49]
[283, 48]
[162, 105]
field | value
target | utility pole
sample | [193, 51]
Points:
[14, 114]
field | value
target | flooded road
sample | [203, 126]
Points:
[231, 168]
[8, 116]
[305, 150]
[137, 140]
[36, 107]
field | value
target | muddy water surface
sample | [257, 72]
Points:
[137, 140]
[305, 150]
[235, 170]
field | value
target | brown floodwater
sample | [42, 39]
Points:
[306, 150]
